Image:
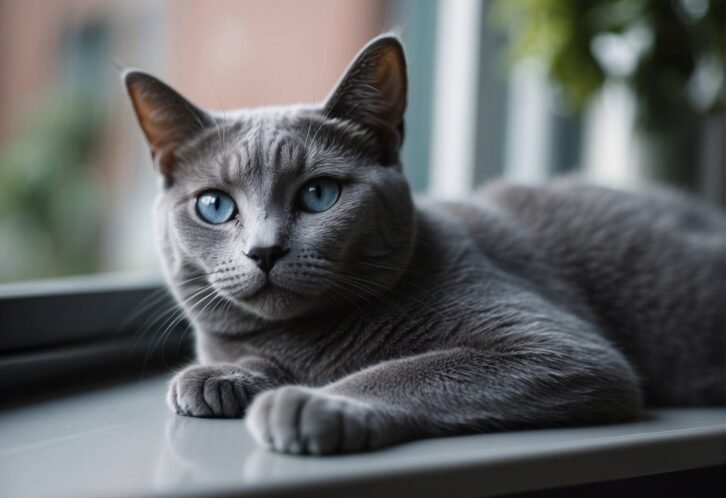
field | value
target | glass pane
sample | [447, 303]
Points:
[533, 90]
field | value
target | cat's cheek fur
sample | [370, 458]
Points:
[303, 420]
[221, 391]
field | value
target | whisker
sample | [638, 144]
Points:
[170, 323]
[144, 305]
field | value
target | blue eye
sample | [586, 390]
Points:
[319, 195]
[215, 207]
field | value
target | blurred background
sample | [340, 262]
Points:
[623, 92]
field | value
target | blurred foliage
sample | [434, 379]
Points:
[676, 47]
[49, 194]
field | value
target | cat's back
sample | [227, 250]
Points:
[651, 266]
[590, 231]
[588, 211]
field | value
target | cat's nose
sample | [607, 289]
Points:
[266, 257]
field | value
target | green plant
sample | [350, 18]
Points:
[676, 47]
[50, 194]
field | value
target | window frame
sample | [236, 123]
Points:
[69, 327]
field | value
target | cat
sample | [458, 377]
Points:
[337, 315]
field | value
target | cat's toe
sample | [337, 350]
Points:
[225, 396]
[186, 396]
[302, 420]
[215, 391]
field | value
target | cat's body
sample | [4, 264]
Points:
[616, 260]
[526, 307]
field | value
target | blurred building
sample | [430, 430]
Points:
[221, 54]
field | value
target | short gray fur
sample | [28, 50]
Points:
[388, 320]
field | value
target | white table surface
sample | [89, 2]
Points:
[123, 441]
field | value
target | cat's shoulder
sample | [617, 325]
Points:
[574, 199]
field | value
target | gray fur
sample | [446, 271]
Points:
[388, 320]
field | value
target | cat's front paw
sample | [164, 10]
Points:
[295, 419]
[223, 390]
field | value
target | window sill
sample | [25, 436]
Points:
[123, 441]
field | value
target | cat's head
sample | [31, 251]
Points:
[283, 211]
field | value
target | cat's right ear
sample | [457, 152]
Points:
[167, 119]
[372, 92]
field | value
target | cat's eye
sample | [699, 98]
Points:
[215, 207]
[319, 195]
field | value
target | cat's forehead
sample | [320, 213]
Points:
[307, 126]
[269, 146]
[251, 147]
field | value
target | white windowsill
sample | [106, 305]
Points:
[122, 441]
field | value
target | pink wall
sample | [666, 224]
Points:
[257, 53]
[229, 52]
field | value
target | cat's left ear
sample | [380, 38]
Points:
[167, 119]
[372, 92]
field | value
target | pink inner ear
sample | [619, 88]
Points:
[156, 133]
[163, 135]
[391, 82]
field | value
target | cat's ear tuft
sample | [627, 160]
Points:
[373, 90]
[167, 119]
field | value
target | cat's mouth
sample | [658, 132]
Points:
[272, 302]
[270, 288]
[271, 296]
[266, 289]
[248, 293]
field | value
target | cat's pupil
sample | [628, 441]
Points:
[318, 191]
[217, 201]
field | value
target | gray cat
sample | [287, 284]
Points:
[340, 316]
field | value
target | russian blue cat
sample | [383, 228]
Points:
[339, 315]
